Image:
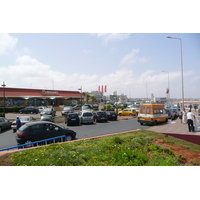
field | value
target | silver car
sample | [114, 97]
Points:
[86, 117]
[4, 124]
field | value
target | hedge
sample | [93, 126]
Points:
[14, 109]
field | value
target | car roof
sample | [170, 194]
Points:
[38, 122]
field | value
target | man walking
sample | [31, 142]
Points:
[190, 117]
[18, 123]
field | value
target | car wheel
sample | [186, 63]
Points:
[69, 137]
[28, 141]
[0, 129]
[141, 123]
[155, 123]
[14, 130]
[131, 115]
[120, 114]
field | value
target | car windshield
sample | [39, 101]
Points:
[73, 115]
[67, 108]
[47, 109]
[24, 118]
[87, 114]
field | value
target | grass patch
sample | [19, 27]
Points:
[126, 149]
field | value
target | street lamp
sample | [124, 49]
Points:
[81, 95]
[168, 91]
[4, 85]
[181, 68]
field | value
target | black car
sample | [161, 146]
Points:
[111, 115]
[100, 116]
[48, 111]
[66, 110]
[29, 109]
[35, 131]
[72, 119]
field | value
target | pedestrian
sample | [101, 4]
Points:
[180, 115]
[184, 116]
[190, 117]
[18, 122]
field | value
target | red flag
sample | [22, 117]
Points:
[105, 88]
[167, 91]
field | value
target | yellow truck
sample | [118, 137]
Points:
[152, 114]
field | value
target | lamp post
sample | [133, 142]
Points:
[168, 87]
[181, 68]
[81, 96]
[4, 85]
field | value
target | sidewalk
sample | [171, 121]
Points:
[177, 129]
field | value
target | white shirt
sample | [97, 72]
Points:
[190, 115]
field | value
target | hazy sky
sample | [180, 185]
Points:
[126, 63]
[68, 44]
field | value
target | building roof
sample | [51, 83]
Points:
[39, 93]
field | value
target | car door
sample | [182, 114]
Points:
[7, 123]
[2, 124]
[125, 112]
[38, 132]
[54, 130]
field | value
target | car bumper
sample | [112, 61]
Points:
[87, 121]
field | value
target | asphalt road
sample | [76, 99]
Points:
[7, 138]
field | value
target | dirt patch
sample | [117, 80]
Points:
[4, 160]
[186, 156]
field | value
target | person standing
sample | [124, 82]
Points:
[18, 122]
[190, 117]
[180, 114]
[184, 116]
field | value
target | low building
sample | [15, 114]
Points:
[36, 97]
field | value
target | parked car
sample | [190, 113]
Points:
[48, 111]
[86, 108]
[24, 120]
[77, 107]
[136, 107]
[111, 115]
[100, 116]
[170, 113]
[49, 118]
[175, 110]
[72, 119]
[4, 123]
[127, 112]
[41, 108]
[66, 110]
[35, 131]
[29, 109]
[86, 117]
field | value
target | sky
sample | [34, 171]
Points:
[129, 63]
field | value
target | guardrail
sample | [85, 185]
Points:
[31, 144]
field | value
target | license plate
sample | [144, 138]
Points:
[103, 118]
[73, 119]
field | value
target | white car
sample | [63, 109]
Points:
[41, 108]
[24, 120]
